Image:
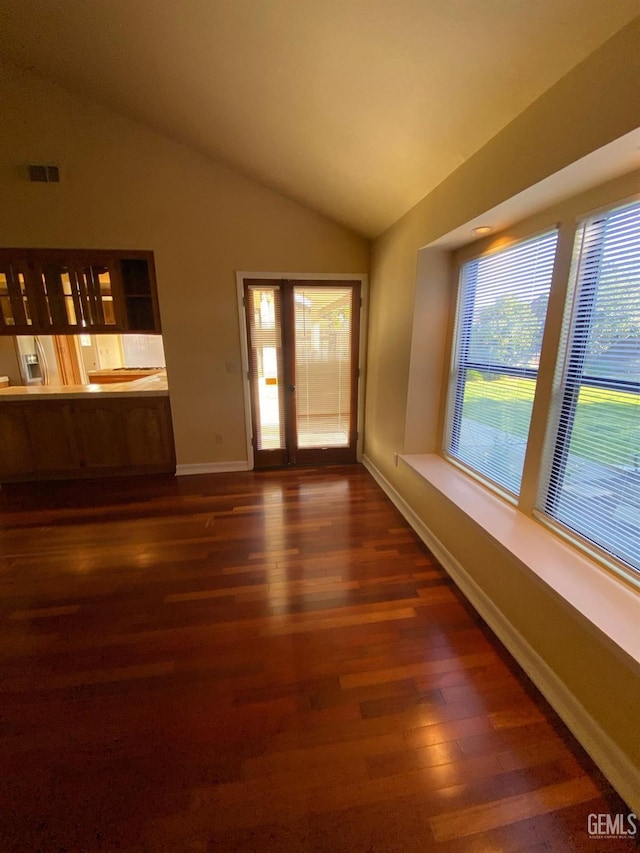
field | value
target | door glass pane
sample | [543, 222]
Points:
[265, 342]
[323, 365]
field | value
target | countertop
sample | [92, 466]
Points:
[120, 374]
[149, 386]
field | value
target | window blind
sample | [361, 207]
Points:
[593, 460]
[323, 346]
[264, 313]
[502, 306]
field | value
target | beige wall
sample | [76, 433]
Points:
[123, 186]
[593, 105]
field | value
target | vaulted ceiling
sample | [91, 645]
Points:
[356, 107]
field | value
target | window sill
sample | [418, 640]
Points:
[606, 601]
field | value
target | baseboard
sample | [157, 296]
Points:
[612, 761]
[211, 468]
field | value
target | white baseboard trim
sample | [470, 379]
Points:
[616, 766]
[211, 468]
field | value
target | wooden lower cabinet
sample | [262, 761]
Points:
[15, 448]
[51, 437]
[99, 433]
[60, 439]
[148, 434]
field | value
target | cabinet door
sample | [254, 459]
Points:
[17, 308]
[15, 450]
[98, 293]
[75, 293]
[99, 434]
[148, 433]
[51, 436]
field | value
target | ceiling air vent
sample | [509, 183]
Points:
[46, 174]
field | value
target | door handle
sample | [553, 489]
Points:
[292, 388]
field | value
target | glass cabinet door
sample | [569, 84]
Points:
[15, 311]
[76, 295]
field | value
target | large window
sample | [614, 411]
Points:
[592, 484]
[502, 306]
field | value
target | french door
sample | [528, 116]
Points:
[303, 342]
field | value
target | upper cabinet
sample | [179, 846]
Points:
[66, 291]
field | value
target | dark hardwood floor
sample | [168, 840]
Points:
[262, 662]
